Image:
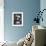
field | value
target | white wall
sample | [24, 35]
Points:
[1, 20]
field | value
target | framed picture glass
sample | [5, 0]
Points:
[17, 19]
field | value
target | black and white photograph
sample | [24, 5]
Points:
[17, 18]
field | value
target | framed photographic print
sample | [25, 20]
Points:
[17, 19]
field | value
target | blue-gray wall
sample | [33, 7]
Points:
[29, 8]
[43, 6]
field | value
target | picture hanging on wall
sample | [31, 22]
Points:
[17, 19]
